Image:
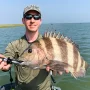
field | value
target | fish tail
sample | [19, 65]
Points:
[80, 73]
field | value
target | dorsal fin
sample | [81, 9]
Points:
[59, 36]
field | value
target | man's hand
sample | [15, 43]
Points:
[60, 73]
[3, 65]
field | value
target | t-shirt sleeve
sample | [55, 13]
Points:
[11, 49]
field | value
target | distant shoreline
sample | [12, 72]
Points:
[10, 25]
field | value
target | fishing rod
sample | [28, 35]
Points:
[14, 61]
[11, 61]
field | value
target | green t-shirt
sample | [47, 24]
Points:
[27, 79]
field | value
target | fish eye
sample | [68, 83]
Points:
[30, 50]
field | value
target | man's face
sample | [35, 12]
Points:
[31, 21]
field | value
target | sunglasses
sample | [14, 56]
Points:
[30, 16]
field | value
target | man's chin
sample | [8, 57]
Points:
[32, 30]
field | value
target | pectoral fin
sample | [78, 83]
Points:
[57, 66]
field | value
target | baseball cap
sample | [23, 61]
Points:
[31, 7]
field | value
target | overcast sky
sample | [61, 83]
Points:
[53, 11]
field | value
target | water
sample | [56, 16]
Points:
[78, 32]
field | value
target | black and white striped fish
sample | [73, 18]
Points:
[56, 51]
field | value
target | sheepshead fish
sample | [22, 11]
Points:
[57, 52]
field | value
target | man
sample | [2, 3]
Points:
[26, 78]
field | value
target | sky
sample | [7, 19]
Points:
[53, 11]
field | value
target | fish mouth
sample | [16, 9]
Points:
[25, 63]
[33, 66]
[29, 64]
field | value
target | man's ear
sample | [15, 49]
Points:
[23, 21]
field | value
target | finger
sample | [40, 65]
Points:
[6, 67]
[1, 56]
[48, 68]
[1, 65]
[60, 73]
[5, 63]
[0, 60]
[67, 71]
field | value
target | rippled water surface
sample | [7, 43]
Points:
[78, 32]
